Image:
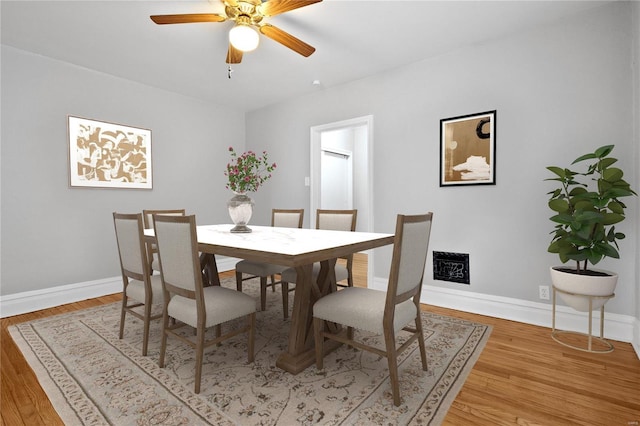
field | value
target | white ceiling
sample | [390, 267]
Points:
[353, 38]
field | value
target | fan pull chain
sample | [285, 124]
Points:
[229, 71]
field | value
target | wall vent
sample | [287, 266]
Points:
[452, 267]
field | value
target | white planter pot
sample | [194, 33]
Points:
[584, 285]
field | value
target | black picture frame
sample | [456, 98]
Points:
[468, 149]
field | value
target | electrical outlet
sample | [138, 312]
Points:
[543, 291]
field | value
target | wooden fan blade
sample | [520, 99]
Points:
[287, 39]
[276, 7]
[234, 56]
[187, 19]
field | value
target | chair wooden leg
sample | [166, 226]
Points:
[273, 286]
[285, 299]
[145, 336]
[392, 361]
[318, 328]
[423, 349]
[263, 293]
[251, 335]
[122, 314]
[238, 281]
[350, 279]
[218, 330]
[199, 358]
[163, 343]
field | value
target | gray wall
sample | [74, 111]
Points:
[54, 235]
[559, 92]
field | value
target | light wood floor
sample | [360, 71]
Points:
[522, 377]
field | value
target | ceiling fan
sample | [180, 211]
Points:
[248, 15]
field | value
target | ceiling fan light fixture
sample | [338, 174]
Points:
[244, 37]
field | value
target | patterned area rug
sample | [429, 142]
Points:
[93, 378]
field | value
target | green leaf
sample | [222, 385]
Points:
[603, 151]
[578, 191]
[605, 249]
[593, 257]
[606, 162]
[584, 157]
[557, 170]
[611, 218]
[559, 205]
[622, 191]
[613, 174]
[563, 219]
[616, 207]
[589, 216]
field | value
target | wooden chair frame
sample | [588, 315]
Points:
[263, 279]
[354, 217]
[144, 275]
[147, 216]
[349, 259]
[198, 295]
[391, 352]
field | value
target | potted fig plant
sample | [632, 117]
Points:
[587, 207]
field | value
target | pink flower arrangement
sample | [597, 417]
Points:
[247, 172]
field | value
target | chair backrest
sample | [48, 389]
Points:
[410, 248]
[148, 215]
[287, 218]
[178, 254]
[131, 247]
[336, 220]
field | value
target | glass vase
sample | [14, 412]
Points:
[240, 210]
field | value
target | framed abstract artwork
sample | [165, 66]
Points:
[468, 149]
[108, 155]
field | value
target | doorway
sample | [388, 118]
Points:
[342, 171]
[336, 178]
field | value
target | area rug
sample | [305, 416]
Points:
[94, 378]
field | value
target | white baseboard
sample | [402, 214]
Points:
[31, 301]
[623, 328]
[636, 336]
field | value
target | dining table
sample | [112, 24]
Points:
[297, 248]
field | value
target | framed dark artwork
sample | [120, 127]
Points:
[108, 155]
[468, 150]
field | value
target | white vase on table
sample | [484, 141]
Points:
[240, 210]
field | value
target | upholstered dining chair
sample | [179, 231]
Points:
[190, 303]
[286, 218]
[333, 220]
[139, 287]
[380, 312]
[152, 250]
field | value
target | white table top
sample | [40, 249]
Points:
[288, 241]
[290, 244]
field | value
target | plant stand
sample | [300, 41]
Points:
[555, 334]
